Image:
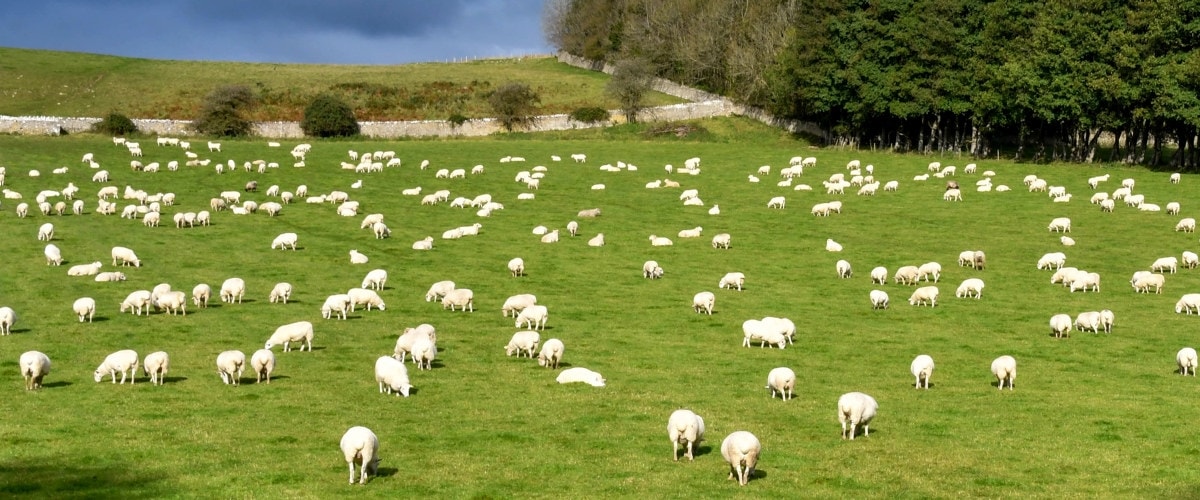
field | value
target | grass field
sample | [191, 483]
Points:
[40, 82]
[1091, 415]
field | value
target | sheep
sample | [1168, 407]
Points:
[929, 269]
[35, 365]
[171, 301]
[832, 246]
[906, 275]
[684, 428]
[357, 257]
[339, 303]
[523, 342]
[1086, 281]
[1060, 224]
[1107, 205]
[280, 293]
[922, 369]
[376, 279]
[53, 255]
[360, 446]
[580, 374]
[879, 299]
[263, 363]
[651, 270]
[843, 269]
[924, 294]
[731, 280]
[516, 266]
[596, 241]
[691, 233]
[85, 307]
[1143, 283]
[533, 316]
[782, 326]
[1165, 264]
[120, 361]
[155, 366]
[365, 297]
[952, 194]
[233, 289]
[764, 332]
[879, 275]
[438, 290]
[77, 207]
[424, 244]
[1089, 320]
[590, 213]
[741, 450]
[462, 298]
[1188, 303]
[1067, 241]
[783, 381]
[855, 409]
[200, 294]
[1053, 260]
[970, 286]
[126, 256]
[230, 365]
[22, 210]
[45, 232]
[137, 302]
[1186, 360]
[1190, 259]
[777, 202]
[517, 303]
[1005, 370]
[703, 302]
[110, 276]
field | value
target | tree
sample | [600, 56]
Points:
[514, 104]
[221, 112]
[631, 80]
[328, 116]
[115, 124]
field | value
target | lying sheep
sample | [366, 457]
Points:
[596, 241]
[85, 308]
[34, 367]
[357, 257]
[855, 409]
[684, 428]
[741, 450]
[230, 365]
[703, 302]
[783, 381]
[155, 366]
[551, 353]
[925, 294]
[517, 303]
[523, 342]
[533, 316]
[969, 287]
[580, 374]
[462, 298]
[832, 246]
[879, 299]
[423, 244]
[120, 361]
[361, 446]
[922, 369]
[263, 363]
[660, 241]
[300, 332]
[1005, 370]
[691, 233]
[1186, 359]
[590, 213]
[732, 280]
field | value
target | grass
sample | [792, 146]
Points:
[40, 82]
[1091, 416]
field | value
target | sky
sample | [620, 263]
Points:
[280, 31]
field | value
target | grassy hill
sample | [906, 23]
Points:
[40, 82]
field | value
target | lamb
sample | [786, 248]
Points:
[357, 257]
[580, 374]
[85, 308]
[879, 275]
[518, 303]
[922, 369]
[523, 342]
[1143, 283]
[952, 194]
[1188, 303]
[731, 280]
[783, 381]
[843, 269]
[462, 298]
[741, 450]
[361, 446]
[365, 297]
[1186, 360]
[906, 275]
[35, 365]
[46, 232]
[233, 288]
[230, 365]
[137, 302]
[651, 269]
[551, 353]
[120, 361]
[879, 299]
[923, 295]
[438, 290]
[263, 363]
[339, 303]
[516, 266]
[929, 269]
[1165, 264]
[684, 428]
[969, 287]
[110, 276]
[156, 365]
[856, 408]
[200, 294]
[126, 256]
[1005, 370]
[281, 293]
[1060, 224]
[533, 316]
[53, 255]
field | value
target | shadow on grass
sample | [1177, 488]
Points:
[386, 471]
[173, 380]
[56, 384]
[50, 477]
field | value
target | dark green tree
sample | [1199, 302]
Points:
[328, 116]
[514, 103]
[221, 113]
[115, 124]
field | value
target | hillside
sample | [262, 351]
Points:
[42, 82]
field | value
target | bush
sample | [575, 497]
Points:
[221, 112]
[457, 119]
[115, 124]
[514, 104]
[590, 115]
[631, 81]
[328, 116]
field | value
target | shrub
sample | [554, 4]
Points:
[457, 119]
[221, 112]
[631, 81]
[514, 104]
[328, 116]
[590, 115]
[115, 124]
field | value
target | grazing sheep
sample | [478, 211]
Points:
[438, 290]
[300, 332]
[1005, 370]
[263, 363]
[551, 353]
[703, 302]
[1106, 320]
[361, 446]
[155, 366]
[1089, 320]
[230, 365]
[365, 297]
[879, 275]
[339, 303]
[580, 374]
[764, 332]
[462, 298]
[777, 202]
[525, 341]
[126, 256]
[1188, 304]
[517, 303]
[1060, 224]
[721, 241]
[969, 287]
[879, 299]
[731, 280]
[855, 409]
[85, 308]
[906, 275]
[375, 280]
[1165, 264]
[1186, 360]
[34, 367]
[516, 266]
[925, 294]
[233, 289]
[684, 428]
[651, 270]
[929, 269]
[281, 293]
[1187, 225]
[741, 450]
[53, 255]
[200, 294]
[843, 269]
[1060, 325]
[952, 194]
[783, 381]
[120, 361]
[922, 369]
[1053, 260]
[46, 232]
[533, 316]
[1143, 283]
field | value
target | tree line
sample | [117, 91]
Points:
[1044, 80]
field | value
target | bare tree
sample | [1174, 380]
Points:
[632, 78]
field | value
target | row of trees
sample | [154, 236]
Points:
[1036, 80]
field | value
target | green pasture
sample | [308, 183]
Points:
[1091, 415]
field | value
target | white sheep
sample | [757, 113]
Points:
[906, 275]
[922, 369]
[263, 363]
[732, 280]
[660, 241]
[53, 255]
[1143, 283]
[280, 293]
[763, 332]
[516, 266]
[1089, 320]
[1165, 264]
[7, 318]
[361, 446]
[365, 297]
[517, 303]
[46, 232]
[651, 269]
[125, 256]
[1188, 304]
[1005, 370]
[783, 381]
[686, 428]
[969, 287]
[525, 341]
[691, 233]
[155, 366]
[832, 246]
[1060, 325]
[1187, 225]
[580, 374]
[233, 289]
[843, 269]
[551, 353]
[200, 294]
[424, 244]
[1053, 260]
[375, 279]
[533, 316]
[406, 340]
[879, 299]
[1186, 359]
[121, 361]
[741, 450]
[596, 241]
[923, 295]
[462, 298]
[300, 332]
[337, 303]
[137, 302]
[703, 302]
[285, 240]
[855, 409]
[35, 365]
[1060, 224]
[357, 257]
[777, 202]
[230, 365]
[438, 290]
[879, 275]
[84, 308]
[929, 269]
[1085, 281]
